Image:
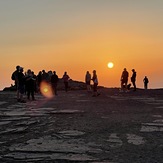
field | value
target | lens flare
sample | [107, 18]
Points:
[46, 89]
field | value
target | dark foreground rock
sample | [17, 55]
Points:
[76, 127]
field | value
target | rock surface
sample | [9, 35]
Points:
[76, 127]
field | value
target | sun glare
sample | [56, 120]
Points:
[110, 65]
[46, 90]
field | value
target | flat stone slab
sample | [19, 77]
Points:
[135, 139]
[50, 144]
[53, 156]
[16, 130]
[151, 129]
[3, 102]
[71, 133]
[66, 111]
[114, 140]
[4, 122]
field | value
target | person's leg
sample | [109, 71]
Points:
[28, 94]
[21, 89]
[17, 91]
[66, 86]
[145, 86]
[55, 88]
[134, 84]
[32, 94]
[95, 92]
[126, 87]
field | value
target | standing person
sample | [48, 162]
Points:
[35, 84]
[38, 80]
[14, 77]
[54, 81]
[146, 81]
[45, 76]
[21, 85]
[88, 81]
[50, 73]
[65, 80]
[30, 84]
[95, 84]
[133, 78]
[124, 79]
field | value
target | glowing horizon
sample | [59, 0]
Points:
[80, 36]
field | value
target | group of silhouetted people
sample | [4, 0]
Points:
[124, 81]
[25, 83]
[28, 83]
[94, 78]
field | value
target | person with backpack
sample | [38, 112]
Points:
[14, 77]
[124, 79]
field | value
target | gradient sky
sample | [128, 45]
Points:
[80, 35]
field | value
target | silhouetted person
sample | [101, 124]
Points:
[54, 82]
[38, 81]
[146, 81]
[133, 78]
[95, 84]
[35, 84]
[50, 73]
[124, 79]
[88, 81]
[21, 85]
[65, 80]
[30, 84]
[15, 78]
[45, 76]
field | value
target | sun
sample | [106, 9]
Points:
[110, 65]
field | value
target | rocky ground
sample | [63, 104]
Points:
[76, 127]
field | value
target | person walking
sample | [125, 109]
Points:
[146, 81]
[54, 81]
[88, 81]
[124, 79]
[95, 84]
[133, 78]
[65, 80]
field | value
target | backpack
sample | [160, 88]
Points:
[13, 76]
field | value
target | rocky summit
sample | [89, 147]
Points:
[115, 127]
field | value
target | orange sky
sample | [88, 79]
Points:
[76, 36]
